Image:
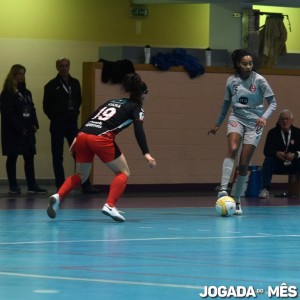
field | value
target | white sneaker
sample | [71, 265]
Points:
[264, 193]
[238, 210]
[113, 213]
[222, 193]
[54, 201]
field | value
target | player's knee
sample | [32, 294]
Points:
[235, 150]
[126, 172]
[83, 177]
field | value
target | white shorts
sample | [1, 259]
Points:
[250, 135]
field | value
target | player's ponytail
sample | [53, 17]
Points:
[134, 85]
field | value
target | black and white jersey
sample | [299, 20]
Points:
[114, 116]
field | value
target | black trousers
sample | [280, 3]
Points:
[275, 166]
[58, 133]
[11, 170]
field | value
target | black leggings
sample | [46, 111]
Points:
[11, 170]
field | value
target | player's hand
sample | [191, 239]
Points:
[261, 122]
[72, 147]
[151, 160]
[213, 130]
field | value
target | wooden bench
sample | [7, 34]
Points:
[293, 183]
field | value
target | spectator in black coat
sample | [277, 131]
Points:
[61, 104]
[18, 127]
[282, 150]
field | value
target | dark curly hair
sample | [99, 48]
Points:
[134, 85]
[236, 57]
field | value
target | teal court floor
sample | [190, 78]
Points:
[170, 247]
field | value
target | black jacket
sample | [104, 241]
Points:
[57, 97]
[18, 114]
[274, 141]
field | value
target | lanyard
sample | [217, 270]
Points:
[25, 99]
[67, 89]
[286, 142]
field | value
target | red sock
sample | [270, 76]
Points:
[69, 184]
[117, 188]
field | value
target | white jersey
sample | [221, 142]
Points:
[246, 98]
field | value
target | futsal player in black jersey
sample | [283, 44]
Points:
[97, 137]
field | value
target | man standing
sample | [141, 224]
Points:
[282, 150]
[61, 104]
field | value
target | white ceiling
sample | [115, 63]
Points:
[282, 3]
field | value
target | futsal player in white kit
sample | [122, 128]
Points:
[245, 93]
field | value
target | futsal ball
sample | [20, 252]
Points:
[225, 206]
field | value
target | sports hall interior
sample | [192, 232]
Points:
[172, 244]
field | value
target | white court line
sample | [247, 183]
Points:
[264, 234]
[46, 291]
[154, 239]
[182, 286]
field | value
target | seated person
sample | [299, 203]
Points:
[282, 150]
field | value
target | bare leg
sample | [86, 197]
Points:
[119, 165]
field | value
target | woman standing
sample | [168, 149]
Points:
[18, 127]
[245, 93]
[97, 137]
